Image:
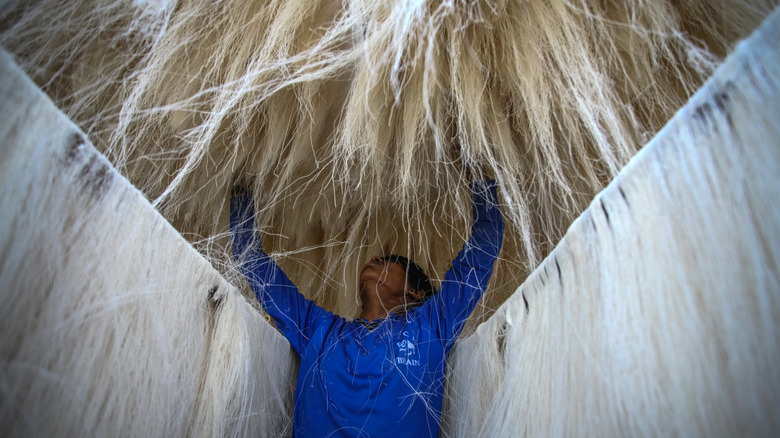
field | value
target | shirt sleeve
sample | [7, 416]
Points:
[296, 316]
[466, 281]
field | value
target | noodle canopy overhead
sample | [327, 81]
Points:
[357, 123]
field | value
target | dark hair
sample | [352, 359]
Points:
[415, 276]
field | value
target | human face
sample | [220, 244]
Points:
[390, 277]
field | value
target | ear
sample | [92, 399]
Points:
[415, 293]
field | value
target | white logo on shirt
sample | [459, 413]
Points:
[407, 353]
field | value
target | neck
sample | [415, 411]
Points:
[373, 306]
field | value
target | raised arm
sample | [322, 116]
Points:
[295, 316]
[467, 279]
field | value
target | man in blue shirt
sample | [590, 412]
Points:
[381, 375]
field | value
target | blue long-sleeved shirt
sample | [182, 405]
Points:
[381, 382]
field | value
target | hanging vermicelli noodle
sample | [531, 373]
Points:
[658, 314]
[112, 324]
